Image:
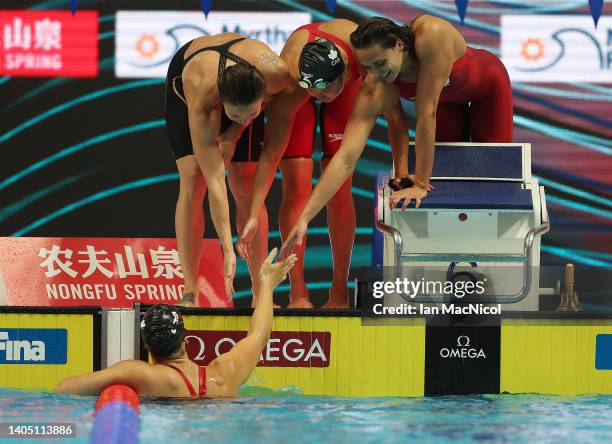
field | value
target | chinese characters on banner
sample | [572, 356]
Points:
[103, 272]
[48, 43]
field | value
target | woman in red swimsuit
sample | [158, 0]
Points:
[171, 373]
[321, 61]
[460, 94]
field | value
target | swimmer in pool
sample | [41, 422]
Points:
[172, 374]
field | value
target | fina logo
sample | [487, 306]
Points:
[32, 350]
[533, 49]
[172, 33]
[462, 351]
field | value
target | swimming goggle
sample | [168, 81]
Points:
[318, 84]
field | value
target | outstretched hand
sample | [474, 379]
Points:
[244, 246]
[295, 237]
[274, 273]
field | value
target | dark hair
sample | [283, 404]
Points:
[241, 84]
[162, 330]
[381, 31]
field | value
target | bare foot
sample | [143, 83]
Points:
[300, 303]
[332, 304]
[338, 298]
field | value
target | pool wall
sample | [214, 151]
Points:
[336, 353]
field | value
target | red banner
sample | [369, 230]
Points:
[284, 348]
[107, 272]
[48, 43]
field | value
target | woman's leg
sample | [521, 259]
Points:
[491, 113]
[341, 218]
[452, 122]
[297, 186]
[241, 176]
[341, 221]
[296, 169]
[189, 221]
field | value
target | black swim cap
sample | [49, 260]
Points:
[320, 64]
[162, 329]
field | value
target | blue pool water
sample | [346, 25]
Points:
[282, 417]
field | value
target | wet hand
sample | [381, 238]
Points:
[275, 273]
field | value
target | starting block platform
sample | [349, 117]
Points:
[483, 219]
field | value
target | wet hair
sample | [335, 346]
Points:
[162, 330]
[381, 31]
[241, 84]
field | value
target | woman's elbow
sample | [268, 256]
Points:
[349, 161]
[63, 386]
[427, 114]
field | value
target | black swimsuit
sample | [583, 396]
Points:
[250, 143]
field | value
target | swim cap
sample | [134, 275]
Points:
[320, 64]
[162, 329]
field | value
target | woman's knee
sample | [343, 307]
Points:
[295, 193]
[297, 185]
[191, 182]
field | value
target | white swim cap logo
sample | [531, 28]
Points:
[333, 55]
[176, 319]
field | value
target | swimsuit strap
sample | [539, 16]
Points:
[202, 378]
[192, 392]
[224, 54]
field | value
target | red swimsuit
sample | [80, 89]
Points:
[476, 104]
[334, 115]
[202, 381]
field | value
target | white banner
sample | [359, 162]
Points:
[145, 41]
[557, 48]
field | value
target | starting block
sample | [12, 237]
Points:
[484, 218]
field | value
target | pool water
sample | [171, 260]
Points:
[261, 415]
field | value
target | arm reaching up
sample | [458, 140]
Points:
[238, 364]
